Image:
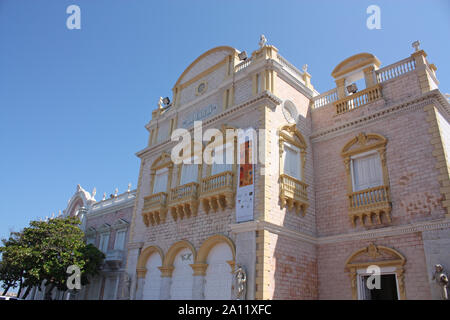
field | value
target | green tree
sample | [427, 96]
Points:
[45, 250]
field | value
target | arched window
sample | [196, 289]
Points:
[367, 179]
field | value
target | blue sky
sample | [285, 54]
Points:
[73, 103]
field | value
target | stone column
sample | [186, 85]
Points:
[133, 254]
[165, 288]
[369, 76]
[198, 289]
[166, 281]
[422, 71]
[140, 287]
[340, 84]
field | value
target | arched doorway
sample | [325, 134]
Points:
[182, 278]
[152, 284]
[218, 275]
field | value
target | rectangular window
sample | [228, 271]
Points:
[189, 173]
[292, 161]
[160, 182]
[104, 239]
[120, 240]
[227, 164]
[366, 172]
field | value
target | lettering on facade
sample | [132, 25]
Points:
[199, 115]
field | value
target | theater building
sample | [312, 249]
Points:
[350, 178]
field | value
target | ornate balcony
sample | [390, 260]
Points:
[155, 209]
[183, 201]
[368, 204]
[358, 99]
[293, 193]
[218, 191]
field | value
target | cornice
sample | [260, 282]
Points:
[135, 245]
[416, 103]
[249, 105]
[127, 203]
[369, 234]
[290, 79]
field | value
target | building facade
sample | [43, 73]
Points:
[347, 179]
[106, 225]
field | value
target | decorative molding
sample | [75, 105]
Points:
[232, 112]
[414, 104]
[212, 241]
[376, 255]
[144, 256]
[293, 192]
[375, 201]
[390, 231]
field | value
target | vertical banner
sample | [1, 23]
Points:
[245, 186]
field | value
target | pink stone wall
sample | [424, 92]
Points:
[334, 280]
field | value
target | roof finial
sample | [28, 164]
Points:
[305, 68]
[416, 45]
[129, 187]
[116, 192]
[262, 41]
[104, 196]
[94, 191]
[161, 103]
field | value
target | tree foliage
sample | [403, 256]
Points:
[43, 251]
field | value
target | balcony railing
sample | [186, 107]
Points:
[325, 98]
[244, 64]
[183, 200]
[368, 204]
[358, 99]
[217, 191]
[394, 70]
[293, 193]
[155, 208]
[290, 68]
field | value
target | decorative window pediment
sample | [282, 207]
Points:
[104, 228]
[164, 160]
[121, 224]
[363, 143]
[380, 256]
